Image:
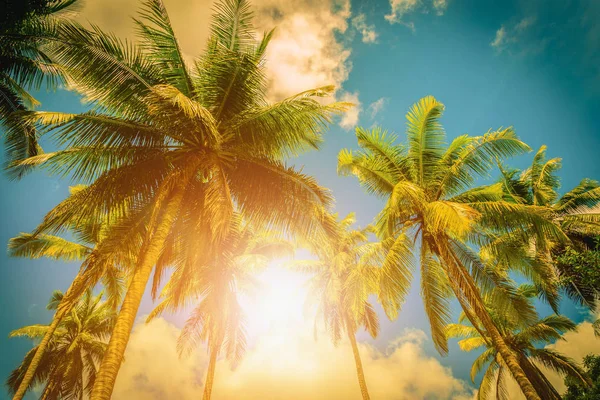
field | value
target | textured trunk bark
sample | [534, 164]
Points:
[63, 309]
[47, 391]
[210, 374]
[359, 368]
[462, 284]
[109, 368]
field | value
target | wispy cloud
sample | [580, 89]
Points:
[510, 34]
[350, 118]
[377, 106]
[367, 31]
[401, 8]
[440, 6]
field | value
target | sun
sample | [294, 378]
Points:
[279, 302]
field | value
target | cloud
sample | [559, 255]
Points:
[500, 38]
[377, 106]
[369, 35]
[285, 364]
[350, 118]
[507, 35]
[152, 368]
[401, 8]
[440, 6]
[305, 52]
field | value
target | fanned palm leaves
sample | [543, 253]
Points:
[429, 197]
[576, 213]
[172, 145]
[24, 64]
[524, 338]
[110, 273]
[69, 367]
[345, 275]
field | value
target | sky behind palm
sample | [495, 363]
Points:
[534, 65]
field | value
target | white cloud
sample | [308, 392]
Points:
[287, 365]
[510, 34]
[304, 53]
[401, 8]
[350, 118]
[153, 370]
[369, 35]
[500, 38]
[440, 6]
[377, 106]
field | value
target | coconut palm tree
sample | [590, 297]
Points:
[218, 317]
[86, 236]
[528, 341]
[430, 201]
[175, 144]
[344, 278]
[24, 65]
[576, 213]
[69, 367]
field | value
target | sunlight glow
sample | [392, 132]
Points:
[279, 302]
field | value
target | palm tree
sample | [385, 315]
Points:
[175, 145]
[24, 65]
[344, 278]
[575, 212]
[427, 186]
[218, 318]
[68, 368]
[87, 235]
[527, 340]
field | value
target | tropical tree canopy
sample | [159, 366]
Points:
[68, 368]
[528, 339]
[168, 143]
[25, 26]
[430, 199]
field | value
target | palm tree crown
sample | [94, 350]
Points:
[427, 186]
[218, 317]
[68, 368]
[167, 145]
[345, 275]
[528, 339]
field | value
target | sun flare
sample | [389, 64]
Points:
[279, 302]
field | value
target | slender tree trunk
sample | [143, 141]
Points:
[543, 386]
[109, 368]
[359, 368]
[210, 373]
[462, 284]
[65, 306]
[47, 391]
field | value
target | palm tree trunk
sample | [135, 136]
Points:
[109, 368]
[359, 368]
[65, 306]
[543, 386]
[210, 373]
[464, 287]
[47, 390]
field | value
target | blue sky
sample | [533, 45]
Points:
[533, 65]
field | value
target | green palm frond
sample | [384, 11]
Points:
[54, 247]
[159, 42]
